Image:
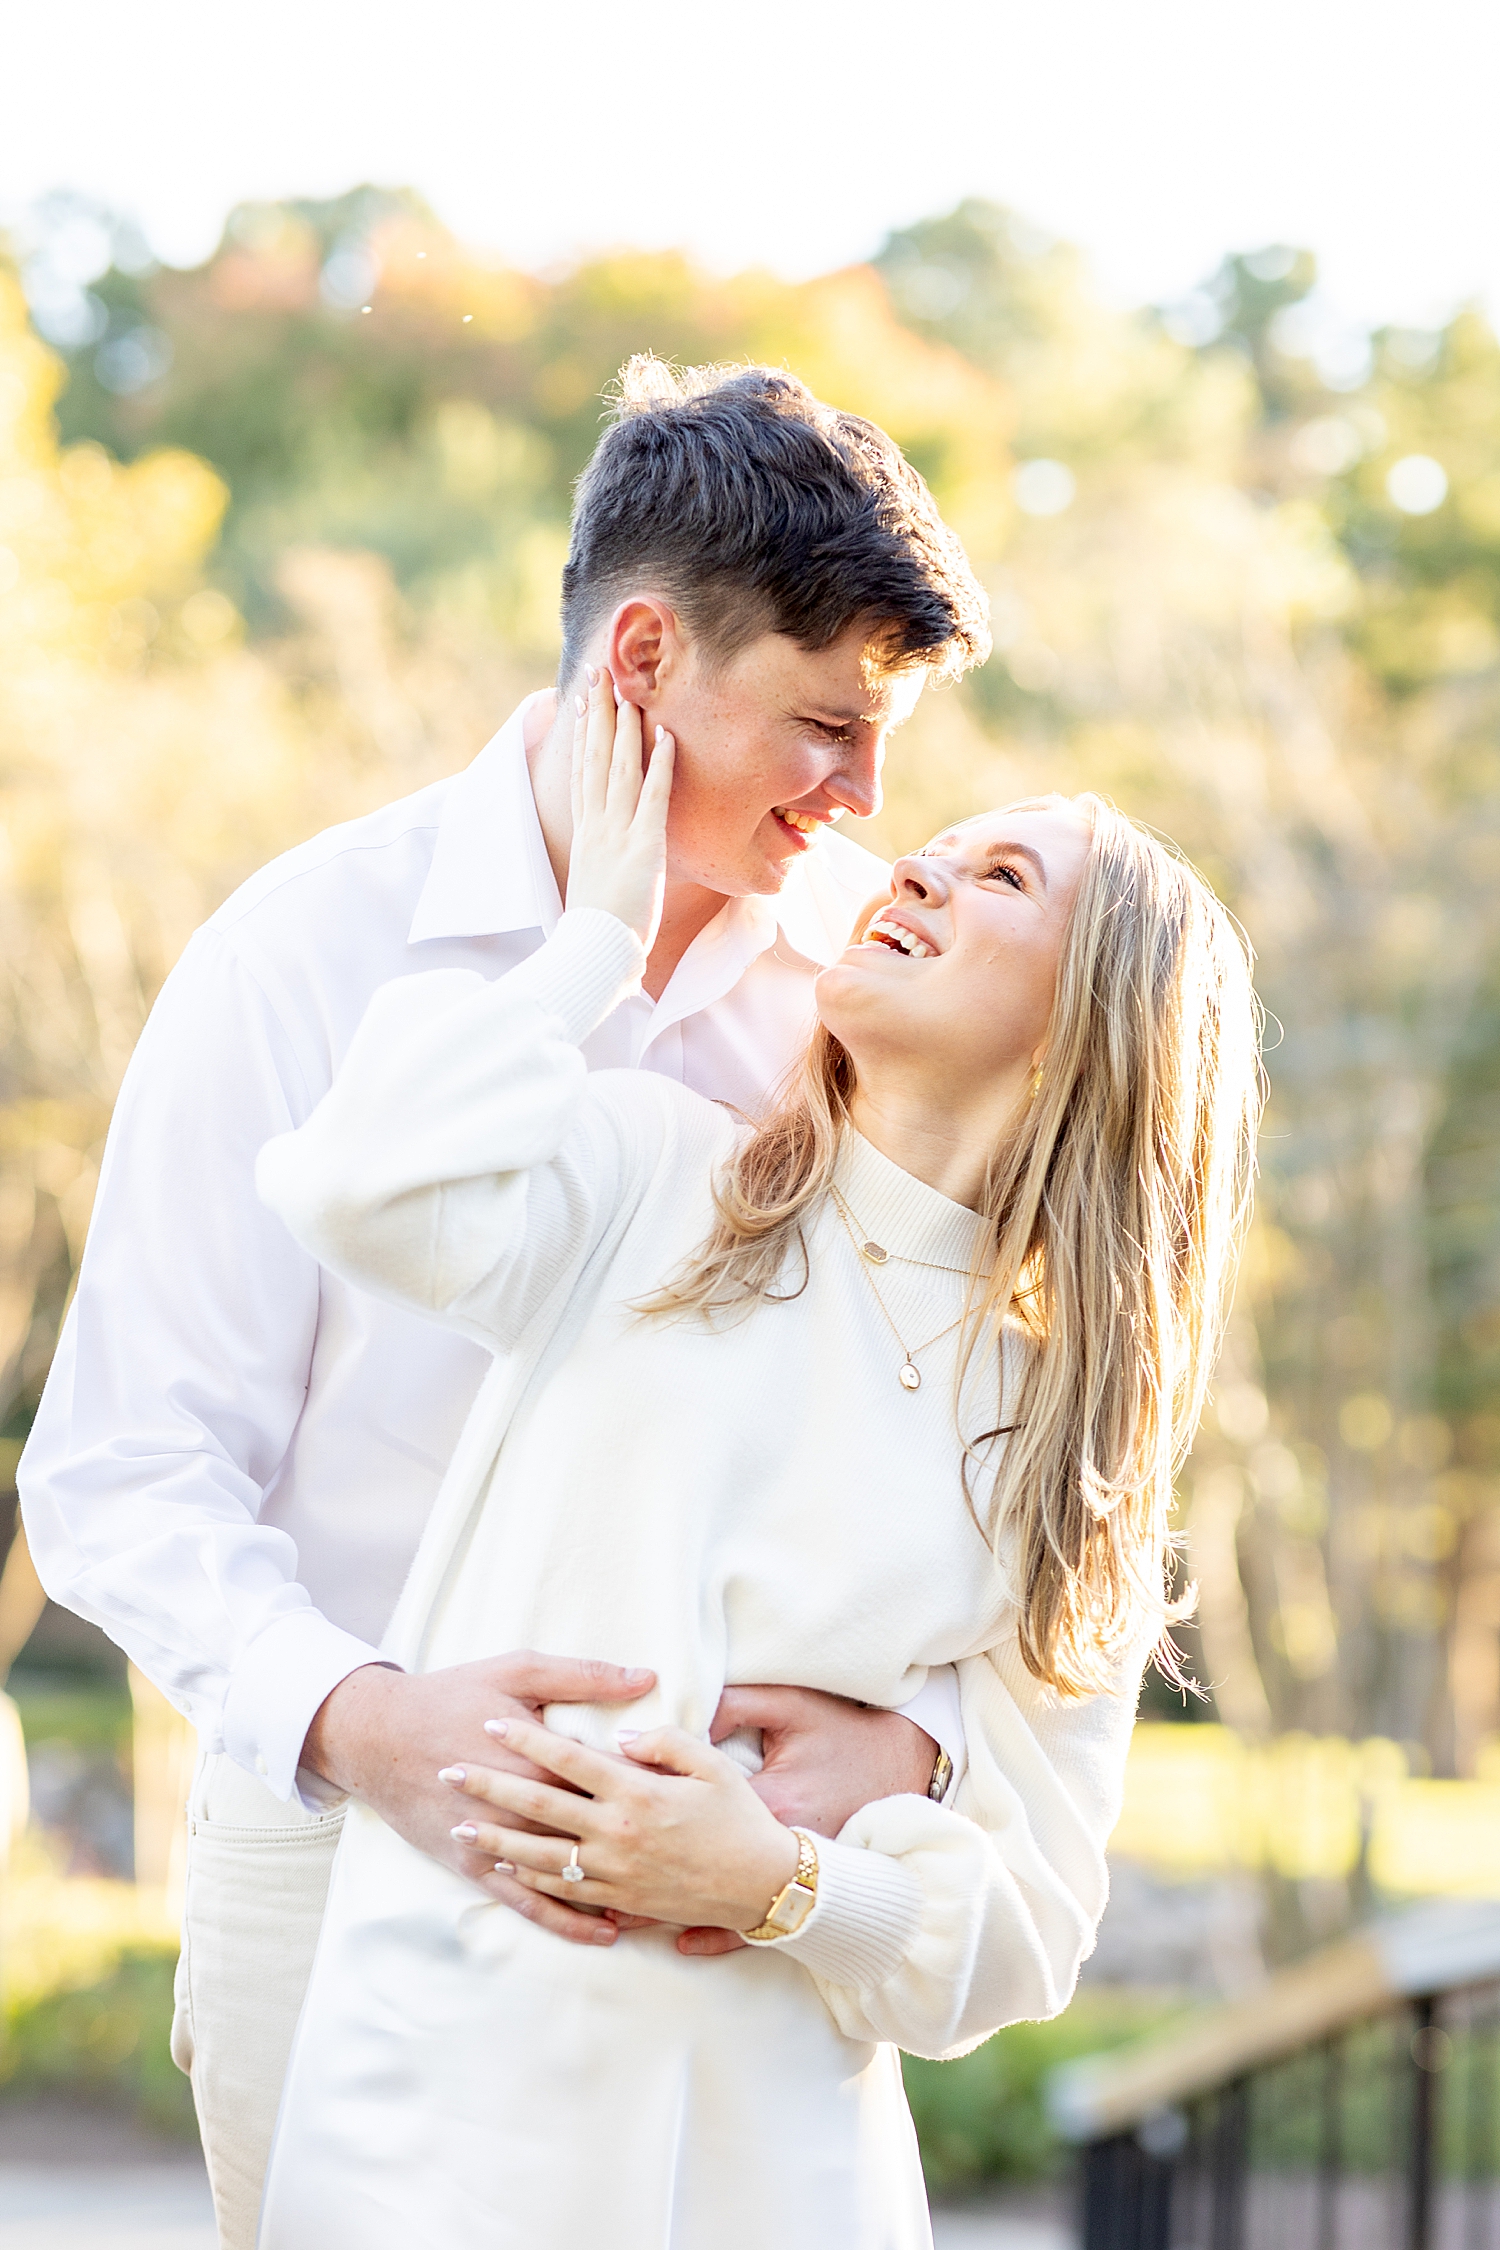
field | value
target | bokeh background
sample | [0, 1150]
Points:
[1191, 331]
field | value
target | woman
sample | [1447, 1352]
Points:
[898, 1378]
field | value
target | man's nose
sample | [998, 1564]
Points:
[855, 782]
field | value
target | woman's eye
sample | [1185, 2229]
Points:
[1004, 873]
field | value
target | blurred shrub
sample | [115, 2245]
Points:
[984, 2117]
[86, 1989]
[107, 2039]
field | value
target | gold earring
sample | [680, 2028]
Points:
[1036, 1082]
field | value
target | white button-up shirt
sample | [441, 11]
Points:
[236, 1452]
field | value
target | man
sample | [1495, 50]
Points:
[235, 1453]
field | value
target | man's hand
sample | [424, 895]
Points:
[384, 1736]
[824, 1758]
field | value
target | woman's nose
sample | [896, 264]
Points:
[920, 878]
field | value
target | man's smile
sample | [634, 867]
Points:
[804, 827]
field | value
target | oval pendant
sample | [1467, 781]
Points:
[909, 1379]
[874, 1253]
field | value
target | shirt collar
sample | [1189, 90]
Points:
[490, 874]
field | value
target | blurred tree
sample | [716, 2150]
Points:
[1245, 571]
[1230, 616]
[148, 762]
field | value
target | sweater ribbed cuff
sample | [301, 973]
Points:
[865, 1921]
[587, 967]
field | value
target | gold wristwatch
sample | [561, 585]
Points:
[792, 1904]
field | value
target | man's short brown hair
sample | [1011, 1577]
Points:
[753, 507]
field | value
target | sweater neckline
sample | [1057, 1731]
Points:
[902, 1213]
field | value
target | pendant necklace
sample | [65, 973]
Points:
[875, 1254]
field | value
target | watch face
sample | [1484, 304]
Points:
[791, 1911]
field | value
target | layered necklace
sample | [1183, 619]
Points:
[869, 1253]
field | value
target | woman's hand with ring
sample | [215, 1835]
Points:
[671, 1832]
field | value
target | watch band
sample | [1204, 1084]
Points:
[793, 1903]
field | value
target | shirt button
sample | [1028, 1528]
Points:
[261, 1767]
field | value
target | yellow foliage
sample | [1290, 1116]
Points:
[841, 336]
[1237, 643]
[87, 545]
[1202, 1801]
[423, 268]
[62, 1935]
[1438, 1837]
[148, 763]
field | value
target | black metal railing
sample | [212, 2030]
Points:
[1382, 2133]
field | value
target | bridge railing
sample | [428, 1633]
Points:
[1352, 2103]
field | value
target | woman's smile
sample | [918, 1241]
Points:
[899, 933]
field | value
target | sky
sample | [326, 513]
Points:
[1155, 133]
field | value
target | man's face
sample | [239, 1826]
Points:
[771, 746]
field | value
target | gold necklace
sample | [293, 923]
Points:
[877, 1254]
[872, 1253]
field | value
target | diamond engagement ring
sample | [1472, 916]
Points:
[573, 1873]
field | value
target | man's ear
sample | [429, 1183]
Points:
[642, 646]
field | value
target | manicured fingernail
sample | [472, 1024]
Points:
[619, 699]
[497, 1726]
[464, 1833]
[459, 1774]
[505, 1867]
[605, 1934]
[628, 1734]
[661, 736]
[637, 1672]
[579, 705]
[591, 674]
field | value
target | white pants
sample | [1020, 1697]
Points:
[257, 1878]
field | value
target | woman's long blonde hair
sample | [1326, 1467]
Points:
[1116, 1203]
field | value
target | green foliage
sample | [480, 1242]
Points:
[109, 2039]
[1227, 616]
[984, 2117]
[90, 1713]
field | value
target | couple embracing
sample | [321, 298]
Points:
[632, 1390]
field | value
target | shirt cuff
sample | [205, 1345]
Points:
[937, 1710]
[864, 1920]
[274, 1694]
[587, 967]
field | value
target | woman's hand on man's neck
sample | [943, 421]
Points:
[687, 907]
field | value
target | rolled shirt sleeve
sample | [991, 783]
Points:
[179, 1378]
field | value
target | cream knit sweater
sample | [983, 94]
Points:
[757, 1502]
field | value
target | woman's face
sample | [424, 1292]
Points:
[958, 973]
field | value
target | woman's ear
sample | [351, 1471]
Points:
[643, 643]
